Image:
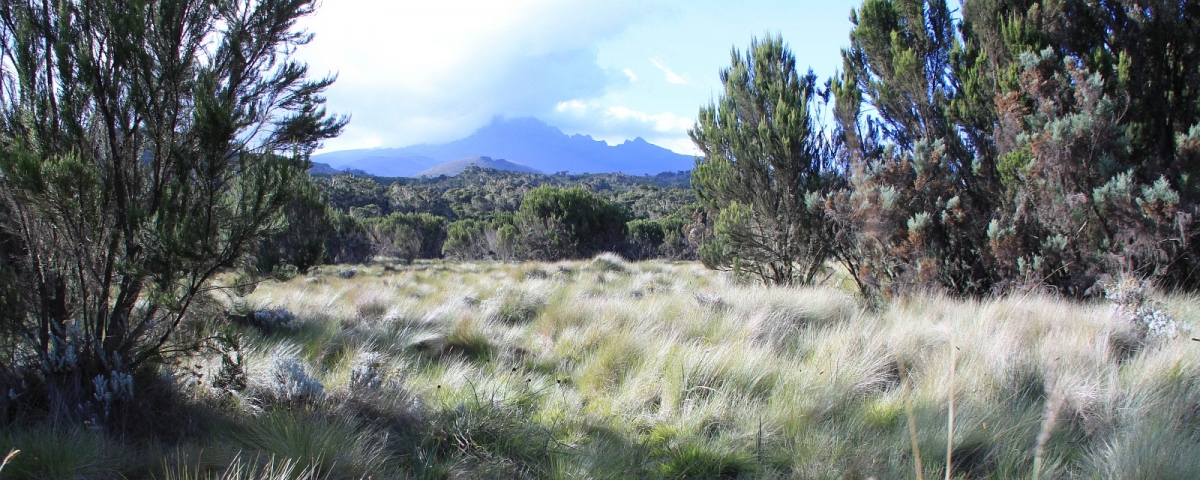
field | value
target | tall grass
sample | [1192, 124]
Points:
[612, 369]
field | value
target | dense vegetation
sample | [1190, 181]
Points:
[491, 214]
[152, 176]
[1024, 145]
[608, 369]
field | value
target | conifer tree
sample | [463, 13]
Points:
[766, 168]
[145, 147]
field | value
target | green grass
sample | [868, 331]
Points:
[611, 369]
[62, 454]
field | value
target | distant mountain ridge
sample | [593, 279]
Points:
[456, 167]
[526, 141]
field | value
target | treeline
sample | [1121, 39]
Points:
[486, 214]
[1023, 145]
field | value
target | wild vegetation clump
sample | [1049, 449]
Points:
[659, 370]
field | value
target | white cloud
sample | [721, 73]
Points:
[671, 76]
[605, 119]
[575, 106]
[629, 73]
[417, 71]
[665, 122]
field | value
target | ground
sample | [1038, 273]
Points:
[610, 369]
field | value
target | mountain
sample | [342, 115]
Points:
[456, 167]
[323, 169]
[527, 141]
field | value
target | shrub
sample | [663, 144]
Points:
[558, 223]
[365, 372]
[1148, 318]
[286, 379]
[351, 242]
[409, 236]
[267, 321]
[303, 242]
[645, 238]
[465, 240]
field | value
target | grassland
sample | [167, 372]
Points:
[606, 369]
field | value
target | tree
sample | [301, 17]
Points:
[145, 147]
[921, 164]
[766, 169]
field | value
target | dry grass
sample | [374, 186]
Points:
[609, 369]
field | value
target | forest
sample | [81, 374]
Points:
[971, 253]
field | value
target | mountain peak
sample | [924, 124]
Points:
[525, 141]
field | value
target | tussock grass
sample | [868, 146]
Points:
[614, 369]
[63, 454]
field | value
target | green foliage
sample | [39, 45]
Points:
[351, 240]
[146, 148]
[766, 167]
[302, 243]
[481, 205]
[349, 191]
[409, 235]
[921, 166]
[63, 455]
[465, 240]
[1007, 134]
[558, 223]
[646, 237]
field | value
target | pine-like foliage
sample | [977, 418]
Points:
[765, 169]
[1026, 145]
[144, 148]
[920, 166]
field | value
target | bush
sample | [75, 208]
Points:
[286, 379]
[409, 236]
[558, 223]
[303, 242]
[465, 240]
[645, 238]
[351, 242]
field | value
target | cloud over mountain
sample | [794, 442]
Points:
[526, 141]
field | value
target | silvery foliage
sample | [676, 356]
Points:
[709, 300]
[62, 356]
[365, 374]
[513, 305]
[1129, 302]
[289, 379]
[112, 388]
[275, 319]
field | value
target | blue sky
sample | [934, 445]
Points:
[434, 71]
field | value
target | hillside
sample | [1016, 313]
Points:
[456, 167]
[527, 141]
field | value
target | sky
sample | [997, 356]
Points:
[433, 71]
